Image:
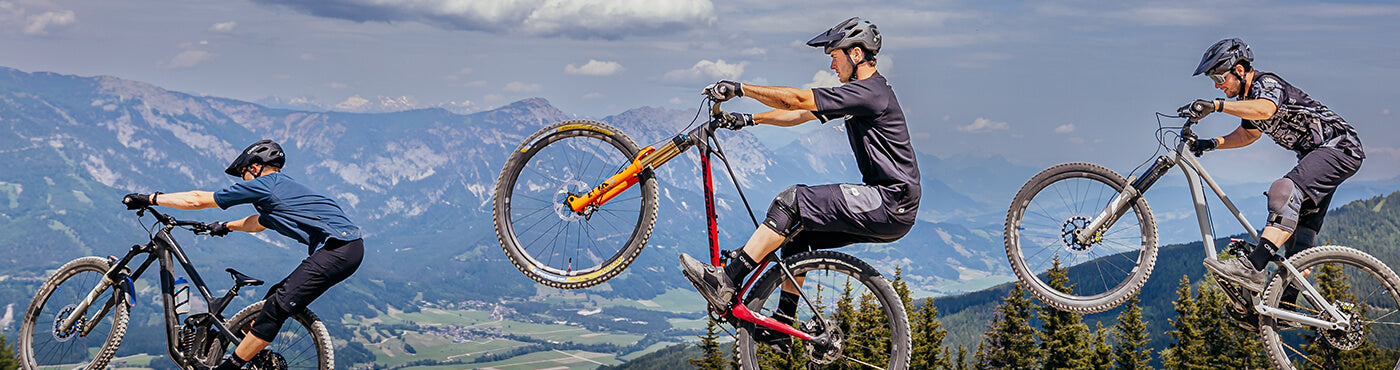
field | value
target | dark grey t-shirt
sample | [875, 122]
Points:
[1300, 124]
[879, 137]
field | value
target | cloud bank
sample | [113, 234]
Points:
[581, 19]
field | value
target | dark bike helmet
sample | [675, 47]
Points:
[1223, 56]
[850, 33]
[266, 152]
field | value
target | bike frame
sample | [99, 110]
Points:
[167, 251]
[1195, 176]
[651, 158]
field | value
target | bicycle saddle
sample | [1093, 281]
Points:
[240, 279]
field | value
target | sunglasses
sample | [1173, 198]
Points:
[1219, 78]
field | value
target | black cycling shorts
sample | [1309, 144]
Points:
[1318, 174]
[837, 215]
[330, 265]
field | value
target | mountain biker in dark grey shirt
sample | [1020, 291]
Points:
[290, 208]
[1329, 152]
[880, 209]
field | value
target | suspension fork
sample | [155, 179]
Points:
[1120, 204]
[118, 273]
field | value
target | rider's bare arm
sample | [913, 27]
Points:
[1240, 138]
[247, 224]
[782, 97]
[1254, 109]
[784, 118]
[189, 200]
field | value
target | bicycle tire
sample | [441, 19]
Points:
[562, 159]
[38, 347]
[1104, 274]
[867, 343]
[301, 336]
[1286, 344]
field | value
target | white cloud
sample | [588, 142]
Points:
[595, 68]
[676, 101]
[983, 125]
[308, 56]
[39, 24]
[189, 58]
[754, 52]
[823, 79]
[224, 27]
[706, 70]
[337, 85]
[593, 95]
[352, 103]
[516, 86]
[1065, 128]
[610, 19]
[1385, 112]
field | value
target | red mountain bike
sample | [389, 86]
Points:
[576, 203]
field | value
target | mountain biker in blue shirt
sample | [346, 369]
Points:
[1329, 152]
[881, 209]
[333, 241]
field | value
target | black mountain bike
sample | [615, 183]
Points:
[94, 295]
[1097, 223]
[576, 203]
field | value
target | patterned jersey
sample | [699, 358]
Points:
[1301, 124]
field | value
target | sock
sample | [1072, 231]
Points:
[787, 308]
[1262, 254]
[739, 267]
[232, 362]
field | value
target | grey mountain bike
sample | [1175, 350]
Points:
[80, 314]
[1095, 222]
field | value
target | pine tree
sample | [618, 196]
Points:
[1130, 351]
[713, 357]
[8, 360]
[1102, 355]
[962, 358]
[928, 334]
[1183, 353]
[1063, 335]
[1011, 342]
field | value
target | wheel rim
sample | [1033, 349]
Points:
[51, 347]
[861, 344]
[1370, 304]
[1047, 230]
[555, 240]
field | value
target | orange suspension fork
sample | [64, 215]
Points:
[613, 186]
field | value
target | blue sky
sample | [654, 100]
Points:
[1036, 82]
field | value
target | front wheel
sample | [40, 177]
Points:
[43, 344]
[547, 240]
[862, 312]
[1362, 288]
[1040, 234]
[303, 342]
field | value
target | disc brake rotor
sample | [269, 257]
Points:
[561, 200]
[66, 335]
[1068, 232]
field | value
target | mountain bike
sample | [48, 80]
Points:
[1096, 222]
[95, 295]
[577, 200]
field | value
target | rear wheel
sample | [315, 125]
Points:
[303, 342]
[1363, 289]
[542, 236]
[859, 307]
[1040, 228]
[42, 344]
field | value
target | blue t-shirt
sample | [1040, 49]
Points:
[292, 209]
[878, 135]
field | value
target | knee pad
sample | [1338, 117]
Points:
[1285, 200]
[783, 215]
[270, 320]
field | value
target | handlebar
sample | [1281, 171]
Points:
[199, 228]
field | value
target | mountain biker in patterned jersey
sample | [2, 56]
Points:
[1329, 152]
[290, 208]
[880, 210]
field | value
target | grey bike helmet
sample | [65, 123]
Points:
[850, 33]
[1223, 56]
[265, 152]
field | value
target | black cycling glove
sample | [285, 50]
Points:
[1200, 146]
[218, 229]
[1197, 109]
[724, 90]
[135, 201]
[735, 121]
